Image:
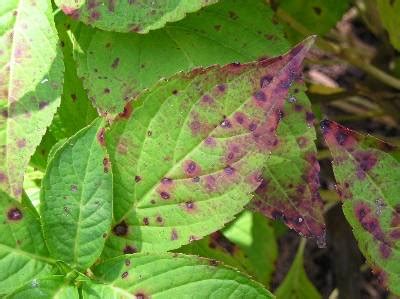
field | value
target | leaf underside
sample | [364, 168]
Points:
[31, 78]
[367, 175]
[170, 276]
[208, 133]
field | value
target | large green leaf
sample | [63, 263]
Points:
[54, 287]
[187, 158]
[368, 179]
[389, 11]
[130, 15]
[117, 66]
[31, 74]
[23, 254]
[76, 196]
[291, 176]
[310, 16]
[170, 276]
[296, 284]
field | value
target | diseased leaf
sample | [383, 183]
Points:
[296, 283]
[54, 287]
[389, 12]
[31, 77]
[116, 67]
[76, 196]
[23, 254]
[170, 276]
[311, 16]
[368, 179]
[186, 159]
[289, 190]
[130, 15]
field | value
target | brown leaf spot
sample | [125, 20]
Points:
[121, 229]
[14, 214]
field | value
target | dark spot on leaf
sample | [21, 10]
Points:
[107, 90]
[73, 97]
[310, 118]
[101, 137]
[317, 10]
[74, 188]
[175, 92]
[174, 235]
[159, 219]
[137, 178]
[217, 27]
[260, 96]
[191, 168]
[124, 275]
[264, 81]
[221, 87]
[121, 229]
[127, 111]
[164, 195]
[127, 262]
[14, 214]
[149, 133]
[146, 221]
[43, 104]
[106, 165]
[233, 15]
[141, 295]
[128, 249]
[21, 143]
[229, 170]
[385, 250]
[115, 63]
[213, 263]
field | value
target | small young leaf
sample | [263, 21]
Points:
[31, 77]
[190, 153]
[23, 254]
[76, 195]
[296, 283]
[291, 176]
[389, 12]
[130, 15]
[368, 177]
[116, 67]
[54, 287]
[170, 276]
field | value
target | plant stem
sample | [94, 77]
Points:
[342, 52]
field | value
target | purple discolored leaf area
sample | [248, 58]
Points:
[290, 181]
[367, 173]
[204, 154]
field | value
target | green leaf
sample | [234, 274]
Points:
[76, 196]
[170, 276]
[23, 254]
[248, 244]
[255, 236]
[54, 287]
[188, 157]
[76, 111]
[310, 16]
[389, 12]
[31, 74]
[296, 284]
[291, 176]
[116, 67]
[130, 15]
[368, 177]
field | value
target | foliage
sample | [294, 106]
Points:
[146, 147]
